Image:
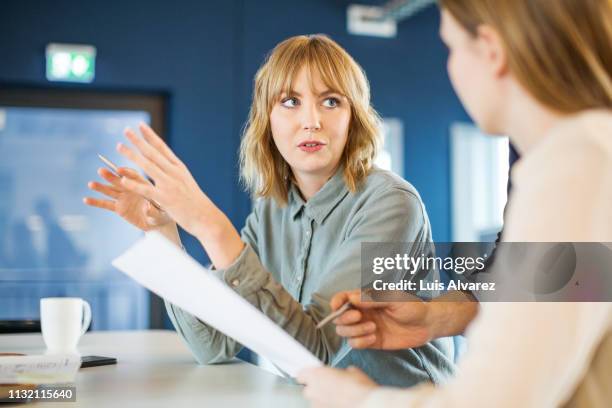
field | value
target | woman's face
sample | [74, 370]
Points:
[474, 69]
[310, 127]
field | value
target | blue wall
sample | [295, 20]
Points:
[204, 55]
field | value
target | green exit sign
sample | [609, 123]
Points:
[71, 63]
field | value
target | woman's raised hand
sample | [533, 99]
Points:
[173, 187]
[132, 207]
[175, 190]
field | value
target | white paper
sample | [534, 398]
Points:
[39, 369]
[164, 269]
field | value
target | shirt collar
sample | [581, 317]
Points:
[323, 203]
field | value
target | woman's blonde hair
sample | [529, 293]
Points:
[559, 50]
[263, 170]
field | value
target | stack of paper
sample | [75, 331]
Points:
[39, 369]
[160, 266]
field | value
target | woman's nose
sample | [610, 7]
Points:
[311, 121]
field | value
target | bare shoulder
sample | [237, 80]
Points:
[587, 131]
[585, 138]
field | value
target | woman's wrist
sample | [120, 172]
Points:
[170, 231]
[208, 222]
[220, 240]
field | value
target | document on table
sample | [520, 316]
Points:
[39, 369]
[163, 268]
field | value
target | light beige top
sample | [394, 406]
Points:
[541, 354]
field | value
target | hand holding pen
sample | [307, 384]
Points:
[382, 325]
[333, 315]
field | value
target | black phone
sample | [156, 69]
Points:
[94, 361]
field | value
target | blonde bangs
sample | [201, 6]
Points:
[296, 55]
[264, 172]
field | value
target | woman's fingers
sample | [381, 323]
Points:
[130, 180]
[148, 151]
[109, 176]
[157, 142]
[95, 202]
[133, 174]
[362, 342]
[148, 166]
[104, 189]
[354, 298]
[356, 330]
[143, 189]
[341, 298]
[115, 180]
[351, 316]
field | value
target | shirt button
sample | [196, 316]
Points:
[307, 233]
[298, 278]
[235, 282]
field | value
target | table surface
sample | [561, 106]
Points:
[155, 368]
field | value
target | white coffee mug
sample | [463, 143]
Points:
[63, 322]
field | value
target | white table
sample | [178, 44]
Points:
[155, 368]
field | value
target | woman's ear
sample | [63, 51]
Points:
[493, 50]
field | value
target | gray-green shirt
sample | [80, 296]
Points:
[298, 256]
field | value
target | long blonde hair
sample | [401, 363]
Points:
[263, 170]
[559, 50]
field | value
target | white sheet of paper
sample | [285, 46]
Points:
[39, 369]
[164, 269]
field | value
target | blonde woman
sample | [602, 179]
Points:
[307, 156]
[539, 71]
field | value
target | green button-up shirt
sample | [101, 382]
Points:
[298, 256]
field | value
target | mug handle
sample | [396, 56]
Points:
[86, 317]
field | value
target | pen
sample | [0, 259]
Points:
[333, 315]
[115, 170]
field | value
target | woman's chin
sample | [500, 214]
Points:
[314, 170]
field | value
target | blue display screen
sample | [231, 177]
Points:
[51, 244]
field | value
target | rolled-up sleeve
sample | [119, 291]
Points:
[207, 344]
[392, 214]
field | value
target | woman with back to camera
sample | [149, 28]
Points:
[538, 71]
[307, 156]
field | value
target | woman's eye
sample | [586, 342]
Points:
[289, 102]
[331, 102]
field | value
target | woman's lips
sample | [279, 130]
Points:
[310, 146]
